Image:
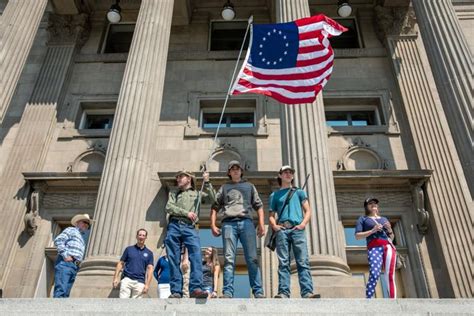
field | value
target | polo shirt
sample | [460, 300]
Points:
[136, 261]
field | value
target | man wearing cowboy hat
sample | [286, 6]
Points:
[183, 209]
[237, 199]
[71, 245]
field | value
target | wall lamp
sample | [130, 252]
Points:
[228, 12]
[113, 15]
[344, 9]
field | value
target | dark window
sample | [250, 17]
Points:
[334, 118]
[351, 118]
[119, 38]
[98, 121]
[362, 118]
[349, 39]
[228, 35]
[232, 120]
[96, 115]
[58, 227]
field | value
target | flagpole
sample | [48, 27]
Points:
[250, 21]
[232, 81]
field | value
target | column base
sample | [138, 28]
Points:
[339, 287]
[323, 265]
[326, 266]
[95, 278]
[331, 278]
[332, 287]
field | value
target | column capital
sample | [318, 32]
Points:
[68, 28]
[391, 21]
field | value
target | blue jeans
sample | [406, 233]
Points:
[64, 277]
[242, 230]
[296, 239]
[181, 233]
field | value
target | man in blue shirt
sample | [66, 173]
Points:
[71, 245]
[289, 214]
[137, 265]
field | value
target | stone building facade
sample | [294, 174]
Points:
[97, 118]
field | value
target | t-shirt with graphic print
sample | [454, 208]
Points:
[237, 200]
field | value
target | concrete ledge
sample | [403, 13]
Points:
[245, 307]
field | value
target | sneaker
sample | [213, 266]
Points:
[198, 294]
[175, 295]
[281, 295]
[259, 295]
[311, 295]
[225, 296]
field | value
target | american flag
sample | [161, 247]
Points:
[290, 62]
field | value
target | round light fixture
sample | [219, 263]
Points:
[228, 12]
[344, 9]
[113, 15]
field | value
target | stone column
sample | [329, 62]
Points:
[34, 134]
[18, 276]
[127, 189]
[451, 62]
[19, 23]
[304, 145]
[450, 204]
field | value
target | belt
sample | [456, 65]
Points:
[76, 262]
[181, 220]
[234, 219]
[287, 225]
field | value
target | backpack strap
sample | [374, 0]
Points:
[289, 195]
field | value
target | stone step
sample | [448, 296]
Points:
[247, 307]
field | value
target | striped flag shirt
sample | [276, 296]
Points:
[290, 62]
[71, 242]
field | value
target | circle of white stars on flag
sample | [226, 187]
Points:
[277, 35]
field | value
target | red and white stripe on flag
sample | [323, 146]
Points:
[271, 69]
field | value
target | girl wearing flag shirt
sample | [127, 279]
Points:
[380, 249]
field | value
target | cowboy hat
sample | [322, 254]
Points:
[189, 174]
[81, 217]
[186, 173]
